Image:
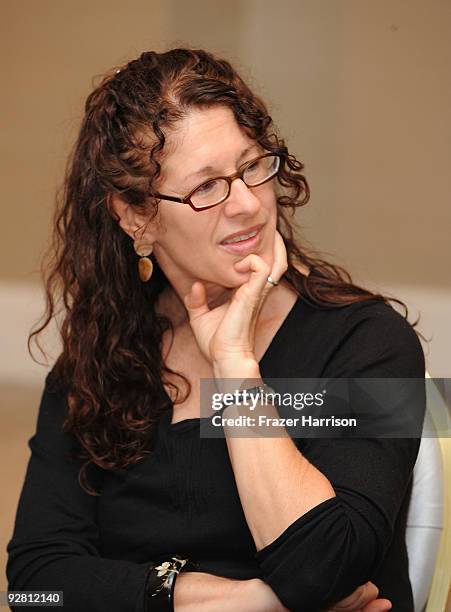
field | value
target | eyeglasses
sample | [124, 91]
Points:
[216, 190]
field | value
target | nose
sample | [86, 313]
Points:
[241, 200]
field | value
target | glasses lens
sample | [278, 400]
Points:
[210, 193]
[261, 170]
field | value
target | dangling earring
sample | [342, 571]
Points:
[145, 265]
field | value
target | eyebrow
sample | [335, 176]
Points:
[208, 169]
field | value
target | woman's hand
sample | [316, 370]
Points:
[364, 599]
[227, 333]
[203, 592]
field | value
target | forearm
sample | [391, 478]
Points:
[201, 592]
[276, 484]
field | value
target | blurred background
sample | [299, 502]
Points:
[360, 89]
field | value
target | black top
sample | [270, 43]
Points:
[183, 498]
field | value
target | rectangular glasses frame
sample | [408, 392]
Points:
[239, 174]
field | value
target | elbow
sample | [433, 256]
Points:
[323, 562]
[38, 565]
[24, 570]
[18, 568]
[359, 553]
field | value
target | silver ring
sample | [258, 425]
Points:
[272, 282]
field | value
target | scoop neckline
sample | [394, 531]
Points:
[190, 422]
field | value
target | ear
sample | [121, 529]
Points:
[135, 224]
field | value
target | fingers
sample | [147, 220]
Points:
[369, 593]
[355, 602]
[260, 270]
[363, 599]
[378, 605]
[196, 301]
[280, 264]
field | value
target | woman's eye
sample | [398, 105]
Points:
[254, 166]
[205, 188]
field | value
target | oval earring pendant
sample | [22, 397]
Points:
[145, 269]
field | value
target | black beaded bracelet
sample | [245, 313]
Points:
[160, 583]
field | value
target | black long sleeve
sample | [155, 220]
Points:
[342, 543]
[183, 498]
[56, 540]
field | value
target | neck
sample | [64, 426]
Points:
[171, 305]
[170, 301]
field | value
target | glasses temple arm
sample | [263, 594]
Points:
[160, 196]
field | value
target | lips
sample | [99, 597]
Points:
[243, 232]
[244, 247]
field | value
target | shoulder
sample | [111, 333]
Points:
[367, 338]
[377, 319]
[375, 339]
[53, 409]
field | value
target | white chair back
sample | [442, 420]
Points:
[428, 534]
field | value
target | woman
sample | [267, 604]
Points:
[175, 161]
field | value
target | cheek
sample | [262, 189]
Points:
[190, 235]
[268, 200]
[179, 224]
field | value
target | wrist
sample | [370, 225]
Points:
[232, 375]
[238, 368]
[227, 385]
[202, 592]
[160, 583]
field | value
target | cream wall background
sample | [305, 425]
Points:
[360, 88]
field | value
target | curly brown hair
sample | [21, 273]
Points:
[111, 363]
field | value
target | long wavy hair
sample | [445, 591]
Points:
[111, 363]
